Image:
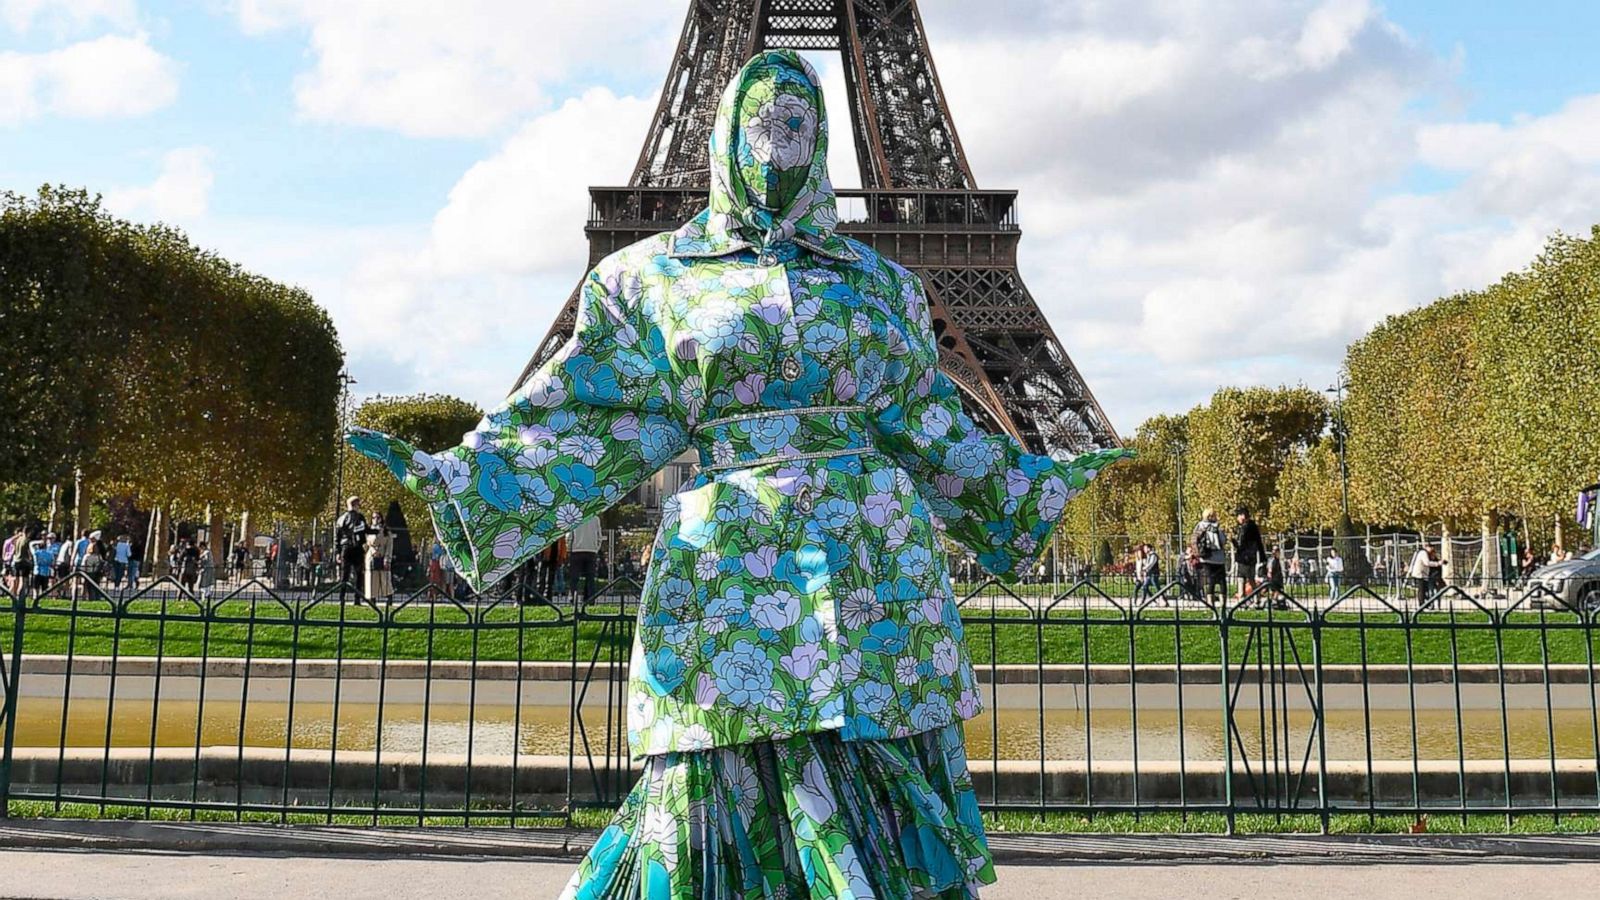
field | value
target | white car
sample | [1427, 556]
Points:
[1575, 583]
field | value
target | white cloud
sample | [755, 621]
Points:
[1208, 187]
[461, 306]
[66, 16]
[458, 69]
[522, 209]
[1209, 190]
[180, 193]
[107, 77]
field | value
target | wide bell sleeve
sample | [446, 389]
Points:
[585, 428]
[993, 496]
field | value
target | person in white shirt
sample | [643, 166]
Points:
[1335, 573]
[1425, 565]
[583, 554]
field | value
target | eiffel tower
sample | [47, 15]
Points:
[919, 204]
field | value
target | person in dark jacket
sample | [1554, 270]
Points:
[1248, 552]
[1280, 600]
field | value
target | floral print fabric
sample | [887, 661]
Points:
[804, 817]
[797, 584]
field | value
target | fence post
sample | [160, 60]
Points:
[1227, 714]
[1320, 720]
[12, 677]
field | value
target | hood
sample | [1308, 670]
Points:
[1568, 568]
[769, 165]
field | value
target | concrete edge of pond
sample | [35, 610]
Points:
[450, 670]
[349, 841]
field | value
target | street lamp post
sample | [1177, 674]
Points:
[1339, 435]
[1356, 565]
[344, 415]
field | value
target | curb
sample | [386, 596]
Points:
[568, 843]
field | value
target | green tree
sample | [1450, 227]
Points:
[429, 421]
[159, 370]
[1240, 441]
[1540, 372]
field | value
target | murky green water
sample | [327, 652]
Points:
[1065, 734]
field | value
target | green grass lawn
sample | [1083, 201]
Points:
[266, 630]
[997, 822]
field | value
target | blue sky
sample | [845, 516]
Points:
[1213, 192]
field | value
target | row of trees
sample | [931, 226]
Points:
[1234, 450]
[1458, 413]
[1483, 403]
[144, 367]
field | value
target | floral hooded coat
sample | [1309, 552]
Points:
[797, 584]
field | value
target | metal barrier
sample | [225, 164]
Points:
[323, 705]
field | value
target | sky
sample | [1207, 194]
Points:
[1212, 191]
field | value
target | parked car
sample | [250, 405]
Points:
[1574, 584]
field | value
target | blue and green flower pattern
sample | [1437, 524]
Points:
[797, 585]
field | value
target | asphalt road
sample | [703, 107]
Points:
[80, 875]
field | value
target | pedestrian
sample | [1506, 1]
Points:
[16, 546]
[44, 563]
[135, 561]
[1208, 539]
[93, 563]
[22, 565]
[435, 565]
[1420, 572]
[1248, 552]
[350, 543]
[1280, 599]
[1146, 573]
[1335, 570]
[207, 568]
[583, 552]
[1296, 573]
[380, 550]
[120, 553]
[1192, 574]
[188, 556]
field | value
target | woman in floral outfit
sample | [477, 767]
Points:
[799, 678]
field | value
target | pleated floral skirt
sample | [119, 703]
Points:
[805, 817]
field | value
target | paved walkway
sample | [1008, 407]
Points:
[97, 875]
[109, 860]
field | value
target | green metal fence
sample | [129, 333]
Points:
[320, 704]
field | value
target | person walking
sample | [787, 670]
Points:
[1146, 573]
[1208, 540]
[583, 552]
[1335, 570]
[350, 542]
[1248, 552]
[1275, 589]
[799, 679]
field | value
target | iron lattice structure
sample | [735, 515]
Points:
[919, 204]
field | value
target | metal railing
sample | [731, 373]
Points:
[320, 704]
